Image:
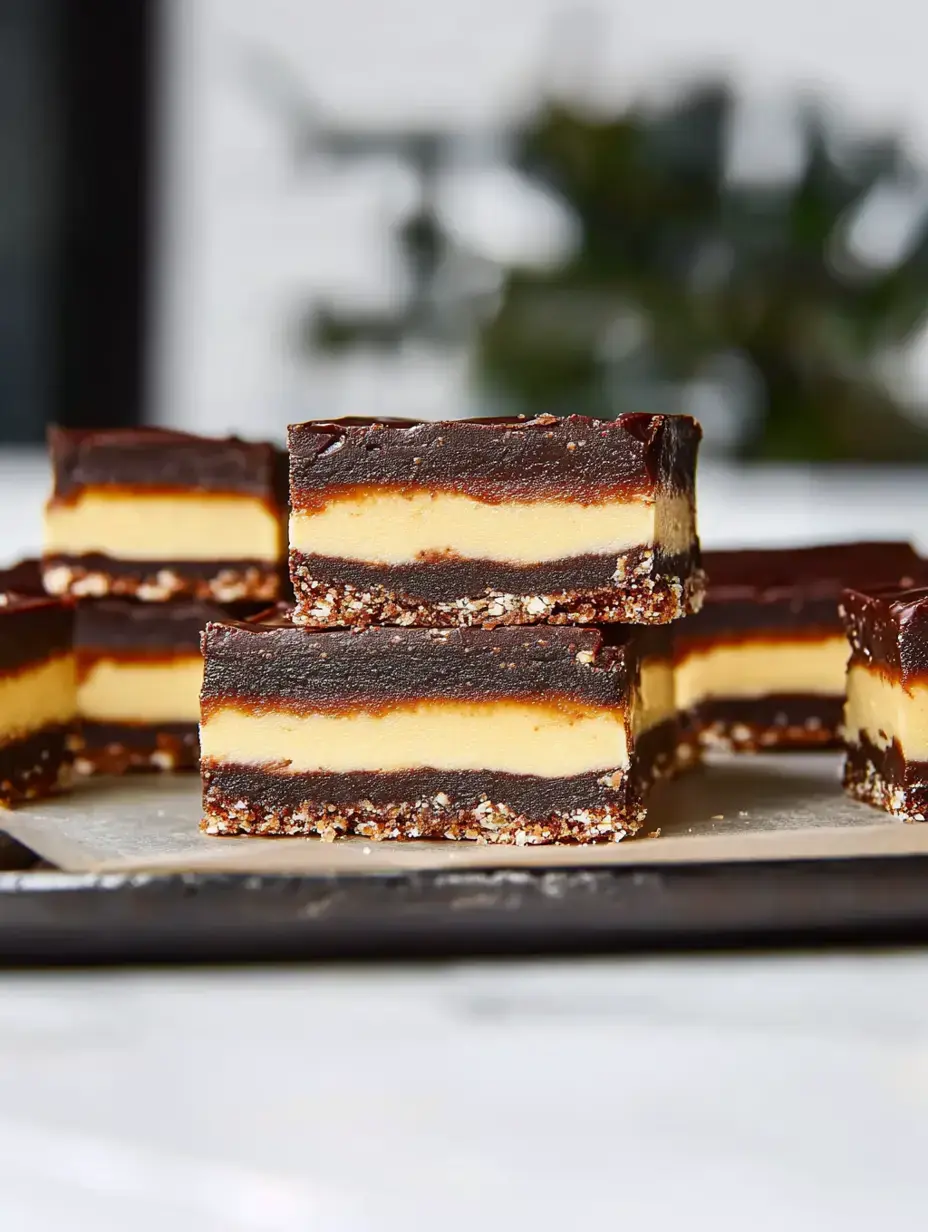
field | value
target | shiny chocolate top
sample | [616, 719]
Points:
[33, 629]
[23, 578]
[576, 457]
[794, 588]
[374, 667]
[158, 459]
[888, 627]
[129, 625]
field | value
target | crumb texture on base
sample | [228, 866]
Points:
[638, 599]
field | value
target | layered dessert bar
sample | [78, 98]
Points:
[762, 665]
[494, 522]
[139, 671]
[158, 515]
[505, 735]
[37, 696]
[886, 713]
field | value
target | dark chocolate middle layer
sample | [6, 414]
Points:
[530, 795]
[154, 458]
[32, 630]
[97, 562]
[538, 458]
[890, 764]
[30, 766]
[335, 668]
[442, 581]
[778, 710]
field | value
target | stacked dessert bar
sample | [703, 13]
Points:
[152, 534]
[475, 649]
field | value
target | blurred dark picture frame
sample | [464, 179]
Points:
[77, 106]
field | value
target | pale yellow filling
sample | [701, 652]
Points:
[37, 697]
[392, 528]
[758, 668]
[510, 737]
[886, 710]
[127, 691]
[656, 697]
[156, 526]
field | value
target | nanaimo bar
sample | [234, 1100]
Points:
[139, 671]
[494, 522]
[509, 735]
[886, 713]
[762, 665]
[37, 696]
[158, 515]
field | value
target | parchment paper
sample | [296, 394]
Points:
[764, 807]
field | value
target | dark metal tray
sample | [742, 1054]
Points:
[61, 919]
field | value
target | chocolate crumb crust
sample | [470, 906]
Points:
[887, 627]
[159, 459]
[784, 721]
[421, 804]
[32, 630]
[115, 748]
[105, 626]
[791, 588]
[639, 587]
[496, 460]
[885, 779]
[277, 660]
[95, 575]
[35, 766]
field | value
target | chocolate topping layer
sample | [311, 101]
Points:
[888, 627]
[33, 629]
[23, 578]
[155, 458]
[103, 625]
[792, 588]
[576, 457]
[335, 668]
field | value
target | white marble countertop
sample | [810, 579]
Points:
[718, 1093]
[721, 1094]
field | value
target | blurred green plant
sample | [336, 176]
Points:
[678, 266]
[679, 273]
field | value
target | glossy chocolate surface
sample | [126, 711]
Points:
[128, 624]
[793, 588]
[23, 578]
[576, 457]
[33, 629]
[158, 459]
[377, 666]
[888, 627]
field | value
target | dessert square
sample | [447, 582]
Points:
[886, 714]
[139, 671]
[158, 515]
[658, 748]
[762, 665]
[494, 522]
[37, 696]
[504, 736]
